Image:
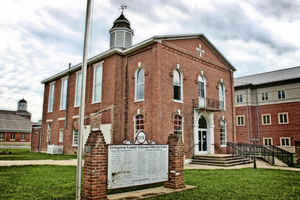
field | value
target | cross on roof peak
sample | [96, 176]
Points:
[201, 51]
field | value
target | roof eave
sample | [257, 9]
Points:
[222, 57]
[135, 47]
[199, 35]
[284, 81]
[78, 66]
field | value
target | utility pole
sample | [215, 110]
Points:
[82, 98]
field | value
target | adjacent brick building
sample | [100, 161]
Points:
[166, 84]
[268, 108]
[15, 126]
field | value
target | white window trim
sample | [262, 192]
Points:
[100, 64]
[181, 87]
[51, 94]
[74, 145]
[224, 145]
[262, 119]
[268, 138]
[76, 91]
[237, 124]
[202, 79]
[12, 139]
[135, 91]
[287, 117]
[23, 139]
[224, 90]
[61, 136]
[289, 138]
[238, 98]
[134, 125]
[264, 95]
[281, 94]
[61, 93]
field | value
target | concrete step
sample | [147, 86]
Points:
[221, 164]
[217, 158]
[220, 160]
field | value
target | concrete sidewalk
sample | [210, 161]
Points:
[260, 164]
[38, 162]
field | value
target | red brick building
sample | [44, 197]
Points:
[268, 108]
[165, 84]
[15, 126]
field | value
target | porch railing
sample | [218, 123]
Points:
[207, 104]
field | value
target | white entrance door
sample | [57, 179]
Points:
[202, 141]
[201, 136]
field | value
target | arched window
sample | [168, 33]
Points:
[223, 137]
[139, 85]
[178, 124]
[201, 87]
[139, 123]
[177, 85]
[221, 96]
[202, 123]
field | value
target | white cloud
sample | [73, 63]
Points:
[40, 38]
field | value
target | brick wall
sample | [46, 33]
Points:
[176, 162]
[158, 61]
[18, 137]
[35, 139]
[95, 167]
[275, 130]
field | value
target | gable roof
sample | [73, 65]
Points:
[10, 121]
[268, 77]
[138, 46]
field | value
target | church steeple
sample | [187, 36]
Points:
[121, 34]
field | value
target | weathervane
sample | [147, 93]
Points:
[123, 7]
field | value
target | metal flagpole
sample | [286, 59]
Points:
[82, 98]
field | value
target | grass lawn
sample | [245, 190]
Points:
[25, 154]
[58, 182]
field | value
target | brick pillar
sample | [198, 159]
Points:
[176, 162]
[297, 148]
[35, 139]
[95, 167]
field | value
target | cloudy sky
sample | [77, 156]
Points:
[39, 38]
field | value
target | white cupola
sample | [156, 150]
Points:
[121, 34]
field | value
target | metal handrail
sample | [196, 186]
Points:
[252, 150]
[283, 155]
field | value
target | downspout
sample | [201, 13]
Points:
[67, 98]
[126, 96]
[232, 107]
